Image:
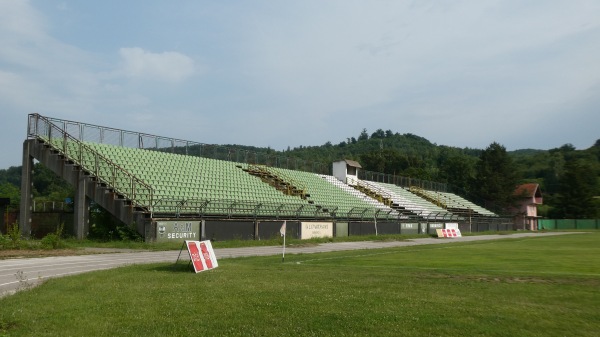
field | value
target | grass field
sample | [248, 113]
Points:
[513, 287]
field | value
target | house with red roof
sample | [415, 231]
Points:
[528, 197]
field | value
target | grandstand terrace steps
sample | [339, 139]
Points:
[328, 196]
[374, 203]
[181, 177]
[406, 200]
[453, 202]
[177, 176]
[279, 180]
[466, 204]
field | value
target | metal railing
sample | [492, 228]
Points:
[102, 168]
[402, 181]
[117, 137]
[51, 206]
[106, 135]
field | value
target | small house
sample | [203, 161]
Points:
[528, 197]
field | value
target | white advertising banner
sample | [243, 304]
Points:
[310, 230]
[451, 225]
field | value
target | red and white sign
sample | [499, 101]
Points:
[202, 255]
[448, 233]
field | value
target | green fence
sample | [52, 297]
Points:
[569, 224]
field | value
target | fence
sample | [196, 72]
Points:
[569, 224]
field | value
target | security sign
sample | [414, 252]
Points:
[202, 255]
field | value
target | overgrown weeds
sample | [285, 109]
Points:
[54, 240]
[12, 239]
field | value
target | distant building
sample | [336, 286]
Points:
[529, 196]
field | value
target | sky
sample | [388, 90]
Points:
[525, 74]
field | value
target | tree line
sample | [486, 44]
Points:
[569, 178]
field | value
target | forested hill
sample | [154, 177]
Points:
[387, 152]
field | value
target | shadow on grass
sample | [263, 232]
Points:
[179, 267]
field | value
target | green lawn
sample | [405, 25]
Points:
[512, 287]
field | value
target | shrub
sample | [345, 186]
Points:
[51, 241]
[4, 240]
[14, 237]
[54, 240]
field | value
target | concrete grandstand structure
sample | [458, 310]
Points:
[145, 180]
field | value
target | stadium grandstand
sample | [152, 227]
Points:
[154, 183]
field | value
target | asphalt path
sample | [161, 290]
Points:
[19, 274]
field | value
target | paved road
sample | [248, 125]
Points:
[16, 274]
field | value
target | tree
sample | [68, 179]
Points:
[385, 161]
[495, 178]
[567, 148]
[8, 190]
[575, 199]
[48, 186]
[457, 170]
[11, 175]
[378, 134]
[363, 135]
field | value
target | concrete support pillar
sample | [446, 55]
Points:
[26, 192]
[150, 230]
[81, 209]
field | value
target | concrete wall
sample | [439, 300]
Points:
[339, 170]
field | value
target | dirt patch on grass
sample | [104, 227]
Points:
[28, 253]
[302, 245]
[32, 253]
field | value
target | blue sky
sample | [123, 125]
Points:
[289, 73]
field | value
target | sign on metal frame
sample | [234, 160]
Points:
[202, 255]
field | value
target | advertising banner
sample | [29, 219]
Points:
[409, 228]
[202, 255]
[451, 225]
[310, 230]
[177, 230]
[448, 233]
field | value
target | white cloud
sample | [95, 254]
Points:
[474, 67]
[19, 18]
[166, 66]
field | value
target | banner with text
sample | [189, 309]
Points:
[177, 230]
[310, 230]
